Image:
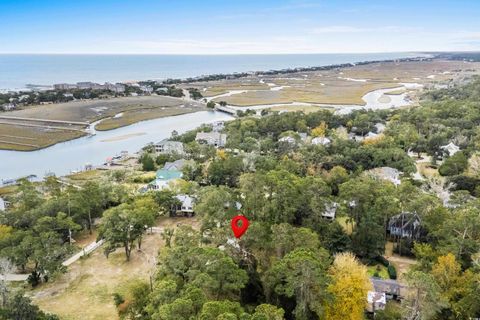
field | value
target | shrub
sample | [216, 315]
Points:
[392, 272]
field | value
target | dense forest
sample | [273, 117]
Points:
[292, 263]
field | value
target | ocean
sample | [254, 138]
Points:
[18, 70]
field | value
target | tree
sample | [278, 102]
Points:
[125, 224]
[321, 130]
[147, 162]
[20, 307]
[268, 312]
[301, 275]
[211, 104]
[424, 301]
[220, 309]
[454, 165]
[349, 287]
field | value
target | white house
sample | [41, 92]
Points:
[288, 139]
[216, 139]
[324, 141]
[3, 204]
[186, 206]
[218, 126]
[167, 146]
[380, 127]
[330, 211]
[376, 301]
[386, 173]
[450, 148]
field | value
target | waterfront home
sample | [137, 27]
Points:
[450, 148]
[376, 301]
[218, 126]
[175, 165]
[164, 178]
[169, 147]
[405, 225]
[186, 205]
[386, 173]
[324, 141]
[216, 139]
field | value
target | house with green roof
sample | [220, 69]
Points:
[164, 177]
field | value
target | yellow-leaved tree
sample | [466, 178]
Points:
[320, 131]
[349, 287]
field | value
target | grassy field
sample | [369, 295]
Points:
[20, 138]
[85, 291]
[380, 270]
[305, 109]
[336, 86]
[134, 116]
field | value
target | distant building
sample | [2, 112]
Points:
[64, 86]
[8, 106]
[450, 148]
[380, 127]
[3, 204]
[324, 141]
[288, 139]
[376, 301]
[330, 211]
[175, 165]
[163, 178]
[386, 173]
[405, 225]
[118, 88]
[86, 85]
[216, 139]
[186, 204]
[146, 89]
[218, 126]
[169, 147]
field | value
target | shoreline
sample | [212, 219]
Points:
[417, 56]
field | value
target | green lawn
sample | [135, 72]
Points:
[382, 271]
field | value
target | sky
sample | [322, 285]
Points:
[238, 27]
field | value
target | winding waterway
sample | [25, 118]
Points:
[65, 157]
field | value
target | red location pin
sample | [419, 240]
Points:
[239, 225]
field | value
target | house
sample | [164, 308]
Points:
[169, 147]
[391, 288]
[175, 165]
[3, 204]
[218, 126]
[330, 211]
[376, 301]
[386, 173]
[146, 89]
[186, 204]
[324, 141]
[288, 139]
[216, 139]
[8, 106]
[450, 148]
[405, 225]
[380, 127]
[163, 179]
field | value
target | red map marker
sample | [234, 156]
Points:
[239, 225]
